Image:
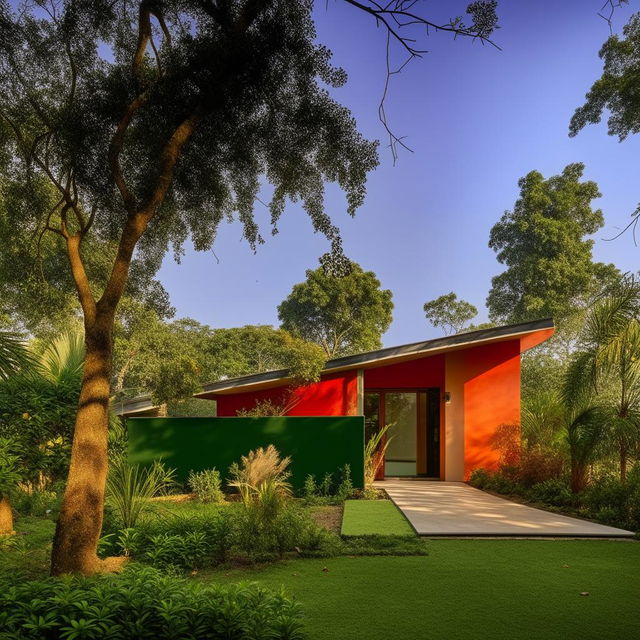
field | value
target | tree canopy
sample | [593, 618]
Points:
[550, 270]
[343, 314]
[448, 312]
[172, 360]
[616, 91]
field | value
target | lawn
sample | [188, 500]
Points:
[374, 517]
[468, 589]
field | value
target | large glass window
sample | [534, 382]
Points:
[401, 411]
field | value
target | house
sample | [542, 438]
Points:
[445, 397]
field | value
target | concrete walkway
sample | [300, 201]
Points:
[456, 509]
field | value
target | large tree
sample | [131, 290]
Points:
[344, 314]
[450, 313]
[154, 121]
[616, 91]
[543, 243]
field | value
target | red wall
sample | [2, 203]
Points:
[422, 373]
[491, 399]
[335, 395]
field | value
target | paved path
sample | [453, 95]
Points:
[456, 509]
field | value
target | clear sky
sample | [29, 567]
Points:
[477, 119]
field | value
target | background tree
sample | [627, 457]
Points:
[449, 313]
[161, 119]
[550, 271]
[172, 360]
[616, 91]
[343, 315]
[37, 292]
[127, 143]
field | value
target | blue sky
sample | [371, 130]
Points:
[477, 120]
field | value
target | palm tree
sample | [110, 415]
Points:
[14, 355]
[610, 366]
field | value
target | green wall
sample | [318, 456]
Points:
[316, 445]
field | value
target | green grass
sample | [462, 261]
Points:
[374, 517]
[467, 589]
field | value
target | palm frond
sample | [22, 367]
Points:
[14, 355]
[63, 357]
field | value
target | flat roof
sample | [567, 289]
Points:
[388, 355]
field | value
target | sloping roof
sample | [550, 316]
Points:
[379, 357]
[383, 356]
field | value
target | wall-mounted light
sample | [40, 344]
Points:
[447, 397]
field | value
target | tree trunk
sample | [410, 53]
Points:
[6, 516]
[578, 477]
[80, 521]
[623, 464]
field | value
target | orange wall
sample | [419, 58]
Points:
[334, 395]
[491, 398]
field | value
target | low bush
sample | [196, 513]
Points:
[233, 533]
[143, 603]
[37, 503]
[554, 492]
[328, 491]
[207, 485]
[609, 500]
[184, 542]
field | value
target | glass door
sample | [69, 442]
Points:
[414, 434]
[401, 412]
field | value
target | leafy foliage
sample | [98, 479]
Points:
[550, 271]
[10, 471]
[449, 313]
[374, 451]
[206, 484]
[343, 314]
[14, 355]
[616, 90]
[37, 408]
[129, 488]
[143, 603]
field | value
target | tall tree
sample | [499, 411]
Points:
[343, 314]
[616, 91]
[550, 270]
[154, 121]
[448, 312]
[159, 121]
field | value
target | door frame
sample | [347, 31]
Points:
[422, 416]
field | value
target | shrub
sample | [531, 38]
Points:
[185, 542]
[326, 492]
[617, 503]
[554, 491]
[37, 503]
[480, 478]
[206, 485]
[143, 603]
[345, 488]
